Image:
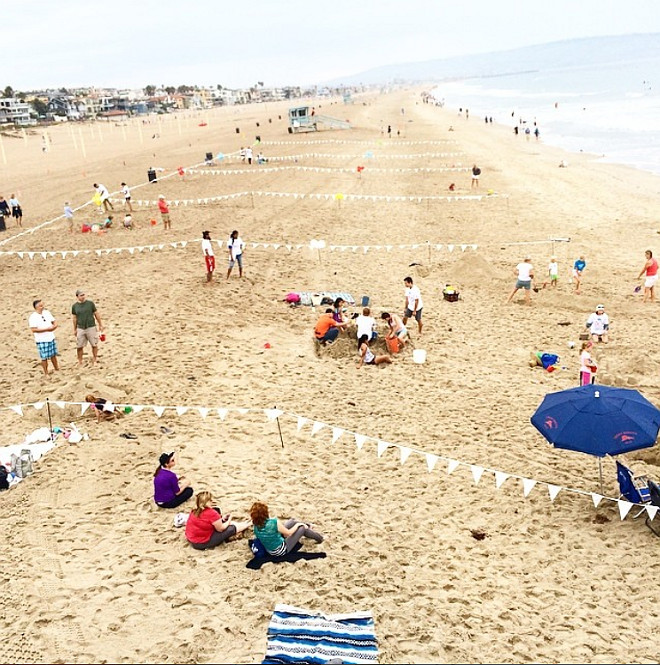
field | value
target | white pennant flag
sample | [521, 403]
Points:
[317, 427]
[405, 453]
[83, 407]
[60, 403]
[273, 414]
[450, 248]
[500, 478]
[382, 447]
[624, 507]
[336, 433]
[203, 411]
[596, 498]
[301, 422]
[138, 407]
[431, 461]
[108, 407]
[652, 510]
[360, 440]
[17, 409]
[222, 413]
[477, 472]
[553, 490]
[243, 411]
[452, 465]
[180, 410]
[528, 485]
[39, 405]
[159, 410]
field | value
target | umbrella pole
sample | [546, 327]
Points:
[600, 473]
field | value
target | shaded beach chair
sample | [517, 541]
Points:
[633, 488]
[654, 490]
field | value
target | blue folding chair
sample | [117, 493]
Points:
[633, 488]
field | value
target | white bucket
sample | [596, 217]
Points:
[419, 356]
[316, 299]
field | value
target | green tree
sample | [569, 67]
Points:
[8, 92]
[40, 108]
[170, 90]
[150, 90]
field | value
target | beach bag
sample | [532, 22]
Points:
[450, 294]
[4, 480]
[292, 298]
[394, 344]
[21, 465]
[258, 550]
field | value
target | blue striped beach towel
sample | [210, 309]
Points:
[300, 636]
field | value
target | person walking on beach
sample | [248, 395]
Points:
[389, 131]
[578, 268]
[414, 304]
[42, 323]
[68, 215]
[248, 155]
[104, 197]
[650, 269]
[126, 191]
[16, 210]
[236, 246]
[209, 256]
[5, 212]
[85, 318]
[524, 275]
[476, 172]
[164, 212]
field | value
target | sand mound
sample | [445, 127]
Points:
[472, 269]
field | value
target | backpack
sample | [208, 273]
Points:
[4, 481]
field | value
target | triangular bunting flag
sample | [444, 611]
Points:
[596, 498]
[652, 510]
[222, 413]
[553, 490]
[138, 407]
[431, 461]
[159, 410]
[180, 410]
[336, 433]
[301, 422]
[405, 453]
[273, 414]
[203, 411]
[500, 478]
[382, 447]
[17, 409]
[60, 403]
[83, 407]
[38, 405]
[452, 465]
[360, 440]
[528, 485]
[477, 472]
[243, 411]
[317, 427]
[624, 507]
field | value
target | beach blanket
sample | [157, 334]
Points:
[306, 296]
[300, 636]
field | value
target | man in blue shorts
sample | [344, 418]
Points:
[42, 324]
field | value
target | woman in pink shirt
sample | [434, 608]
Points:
[651, 270]
[207, 528]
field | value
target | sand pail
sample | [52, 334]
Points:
[419, 356]
[316, 299]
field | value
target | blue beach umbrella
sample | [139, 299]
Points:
[598, 420]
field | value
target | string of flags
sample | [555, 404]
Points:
[368, 155]
[404, 452]
[322, 169]
[380, 143]
[182, 244]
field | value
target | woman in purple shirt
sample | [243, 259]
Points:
[170, 491]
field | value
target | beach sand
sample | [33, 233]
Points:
[94, 571]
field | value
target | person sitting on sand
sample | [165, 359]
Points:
[338, 311]
[170, 491]
[128, 221]
[207, 527]
[367, 356]
[278, 537]
[99, 406]
[396, 327]
[327, 329]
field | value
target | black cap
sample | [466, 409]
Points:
[165, 458]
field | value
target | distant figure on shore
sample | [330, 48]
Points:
[209, 255]
[164, 212]
[650, 269]
[389, 131]
[248, 155]
[104, 197]
[578, 268]
[476, 172]
[242, 154]
[524, 275]
[16, 210]
[68, 215]
[125, 190]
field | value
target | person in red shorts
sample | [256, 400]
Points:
[207, 528]
[209, 256]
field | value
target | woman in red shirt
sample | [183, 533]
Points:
[207, 528]
[651, 270]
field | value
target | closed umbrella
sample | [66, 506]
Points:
[598, 420]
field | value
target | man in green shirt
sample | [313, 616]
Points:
[85, 317]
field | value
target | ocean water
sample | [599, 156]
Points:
[610, 110]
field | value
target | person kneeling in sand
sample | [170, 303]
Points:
[367, 356]
[327, 329]
[100, 406]
[278, 537]
[396, 327]
[170, 491]
[207, 527]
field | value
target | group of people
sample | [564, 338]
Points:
[11, 208]
[87, 327]
[235, 247]
[333, 321]
[207, 527]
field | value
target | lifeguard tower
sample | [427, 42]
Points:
[305, 119]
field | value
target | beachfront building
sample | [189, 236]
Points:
[14, 111]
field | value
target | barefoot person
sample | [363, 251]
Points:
[164, 212]
[395, 327]
[207, 527]
[598, 324]
[235, 246]
[367, 356]
[277, 536]
[85, 316]
[209, 256]
[413, 306]
[104, 197]
[42, 323]
[578, 268]
[524, 275]
[16, 210]
[650, 269]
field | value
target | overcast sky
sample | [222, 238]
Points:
[133, 43]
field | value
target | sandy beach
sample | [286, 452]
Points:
[95, 572]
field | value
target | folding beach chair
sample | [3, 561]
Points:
[654, 490]
[633, 488]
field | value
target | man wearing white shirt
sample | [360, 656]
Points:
[414, 304]
[42, 324]
[209, 255]
[104, 196]
[525, 274]
[366, 324]
[235, 246]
